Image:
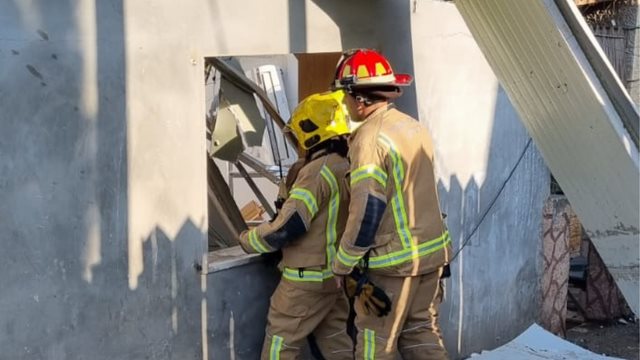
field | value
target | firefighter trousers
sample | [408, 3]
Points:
[411, 328]
[299, 309]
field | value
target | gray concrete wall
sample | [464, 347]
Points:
[238, 310]
[103, 174]
[102, 166]
[493, 293]
[64, 199]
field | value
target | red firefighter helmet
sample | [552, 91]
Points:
[367, 68]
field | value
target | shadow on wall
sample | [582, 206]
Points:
[359, 21]
[64, 197]
[493, 293]
[239, 303]
[378, 24]
[297, 26]
[164, 318]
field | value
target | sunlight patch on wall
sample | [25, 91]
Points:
[91, 256]
[88, 48]
[28, 14]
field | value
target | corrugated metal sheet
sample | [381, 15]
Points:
[604, 71]
[573, 121]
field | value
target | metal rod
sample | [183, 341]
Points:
[258, 167]
[230, 178]
[222, 208]
[255, 189]
[252, 174]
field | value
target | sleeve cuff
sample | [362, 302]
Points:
[344, 262]
[243, 240]
[339, 269]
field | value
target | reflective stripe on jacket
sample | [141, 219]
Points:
[310, 223]
[394, 208]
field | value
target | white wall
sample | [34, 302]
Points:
[103, 190]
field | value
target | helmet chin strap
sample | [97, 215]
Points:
[334, 145]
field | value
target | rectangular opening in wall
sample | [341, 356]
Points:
[249, 100]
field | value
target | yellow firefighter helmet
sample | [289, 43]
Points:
[319, 117]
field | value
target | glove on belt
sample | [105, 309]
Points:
[369, 299]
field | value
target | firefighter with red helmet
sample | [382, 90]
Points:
[307, 228]
[395, 234]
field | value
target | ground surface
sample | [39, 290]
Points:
[617, 339]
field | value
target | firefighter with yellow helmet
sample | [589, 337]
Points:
[395, 235]
[307, 229]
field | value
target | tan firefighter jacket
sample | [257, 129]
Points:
[310, 223]
[394, 210]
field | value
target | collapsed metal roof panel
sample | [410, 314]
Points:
[537, 343]
[566, 109]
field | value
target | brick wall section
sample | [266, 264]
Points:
[603, 298]
[556, 252]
